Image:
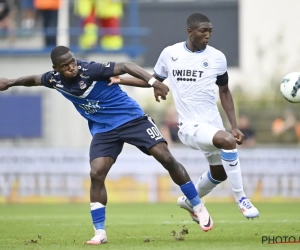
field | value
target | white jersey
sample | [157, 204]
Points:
[192, 77]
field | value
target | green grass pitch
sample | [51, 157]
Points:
[145, 226]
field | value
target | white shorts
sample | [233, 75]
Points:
[199, 136]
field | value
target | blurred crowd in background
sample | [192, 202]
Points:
[262, 121]
[284, 130]
[22, 17]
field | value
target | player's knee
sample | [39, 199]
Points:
[97, 173]
[100, 167]
[227, 141]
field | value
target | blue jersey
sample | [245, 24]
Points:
[105, 107]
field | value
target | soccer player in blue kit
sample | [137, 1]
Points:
[113, 119]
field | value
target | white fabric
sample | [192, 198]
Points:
[96, 205]
[192, 77]
[234, 176]
[199, 136]
[204, 185]
[151, 81]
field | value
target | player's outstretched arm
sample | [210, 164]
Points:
[133, 81]
[131, 69]
[160, 89]
[141, 79]
[26, 81]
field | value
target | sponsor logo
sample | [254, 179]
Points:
[59, 85]
[208, 223]
[53, 80]
[105, 65]
[174, 59]
[187, 73]
[91, 107]
[233, 165]
[84, 77]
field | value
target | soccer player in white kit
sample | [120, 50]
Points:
[193, 69]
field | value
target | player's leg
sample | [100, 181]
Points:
[144, 134]
[230, 160]
[206, 182]
[180, 176]
[104, 150]
[98, 197]
[210, 139]
[210, 179]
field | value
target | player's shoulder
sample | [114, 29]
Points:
[83, 65]
[175, 47]
[53, 74]
[216, 52]
[51, 78]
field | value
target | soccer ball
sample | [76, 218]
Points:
[290, 87]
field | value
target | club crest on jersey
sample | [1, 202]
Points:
[205, 64]
[82, 85]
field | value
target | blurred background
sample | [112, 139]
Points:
[44, 142]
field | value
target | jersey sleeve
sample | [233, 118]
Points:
[222, 80]
[160, 68]
[47, 79]
[100, 71]
[222, 65]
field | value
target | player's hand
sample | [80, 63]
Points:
[160, 90]
[238, 135]
[4, 84]
[114, 80]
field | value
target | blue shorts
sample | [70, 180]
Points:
[141, 132]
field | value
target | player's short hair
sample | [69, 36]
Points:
[195, 19]
[57, 52]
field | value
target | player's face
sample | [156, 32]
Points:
[67, 65]
[199, 35]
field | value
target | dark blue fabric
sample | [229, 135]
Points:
[105, 107]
